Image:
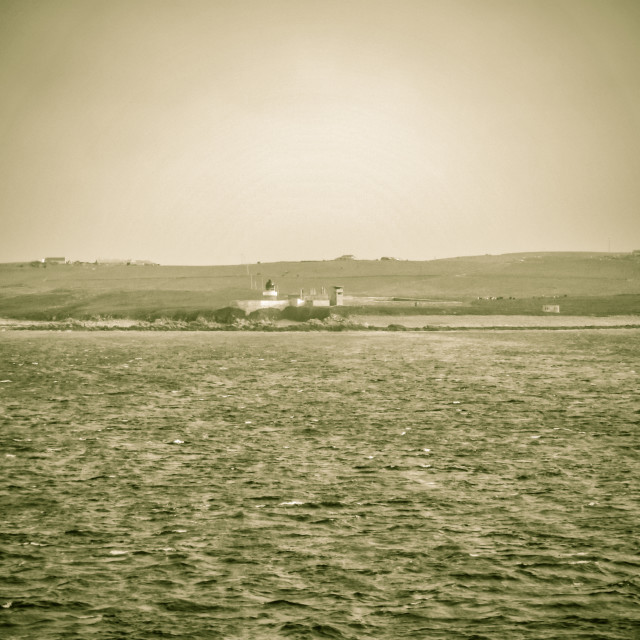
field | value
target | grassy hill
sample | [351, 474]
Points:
[593, 283]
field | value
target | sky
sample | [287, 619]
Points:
[236, 131]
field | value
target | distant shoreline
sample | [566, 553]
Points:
[353, 324]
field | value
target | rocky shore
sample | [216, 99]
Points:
[334, 323]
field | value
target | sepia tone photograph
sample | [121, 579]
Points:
[319, 319]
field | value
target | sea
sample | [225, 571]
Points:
[249, 486]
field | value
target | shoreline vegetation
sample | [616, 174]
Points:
[332, 323]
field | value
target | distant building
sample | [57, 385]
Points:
[113, 261]
[337, 297]
[269, 300]
[270, 290]
[55, 261]
[248, 306]
[347, 256]
[551, 308]
[317, 301]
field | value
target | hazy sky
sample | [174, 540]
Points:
[212, 132]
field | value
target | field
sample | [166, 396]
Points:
[365, 486]
[583, 284]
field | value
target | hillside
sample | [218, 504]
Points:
[603, 282]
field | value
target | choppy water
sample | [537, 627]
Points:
[240, 485]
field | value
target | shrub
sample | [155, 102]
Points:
[228, 315]
[303, 314]
[265, 314]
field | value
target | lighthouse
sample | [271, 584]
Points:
[270, 291]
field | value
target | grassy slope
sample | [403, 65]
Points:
[589, 281]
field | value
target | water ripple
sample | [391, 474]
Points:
[320, 486]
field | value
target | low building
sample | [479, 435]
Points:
[55, 260]
[272, 300]
[551, 308]
[248, 306]
[317, 301]
[113, 261]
